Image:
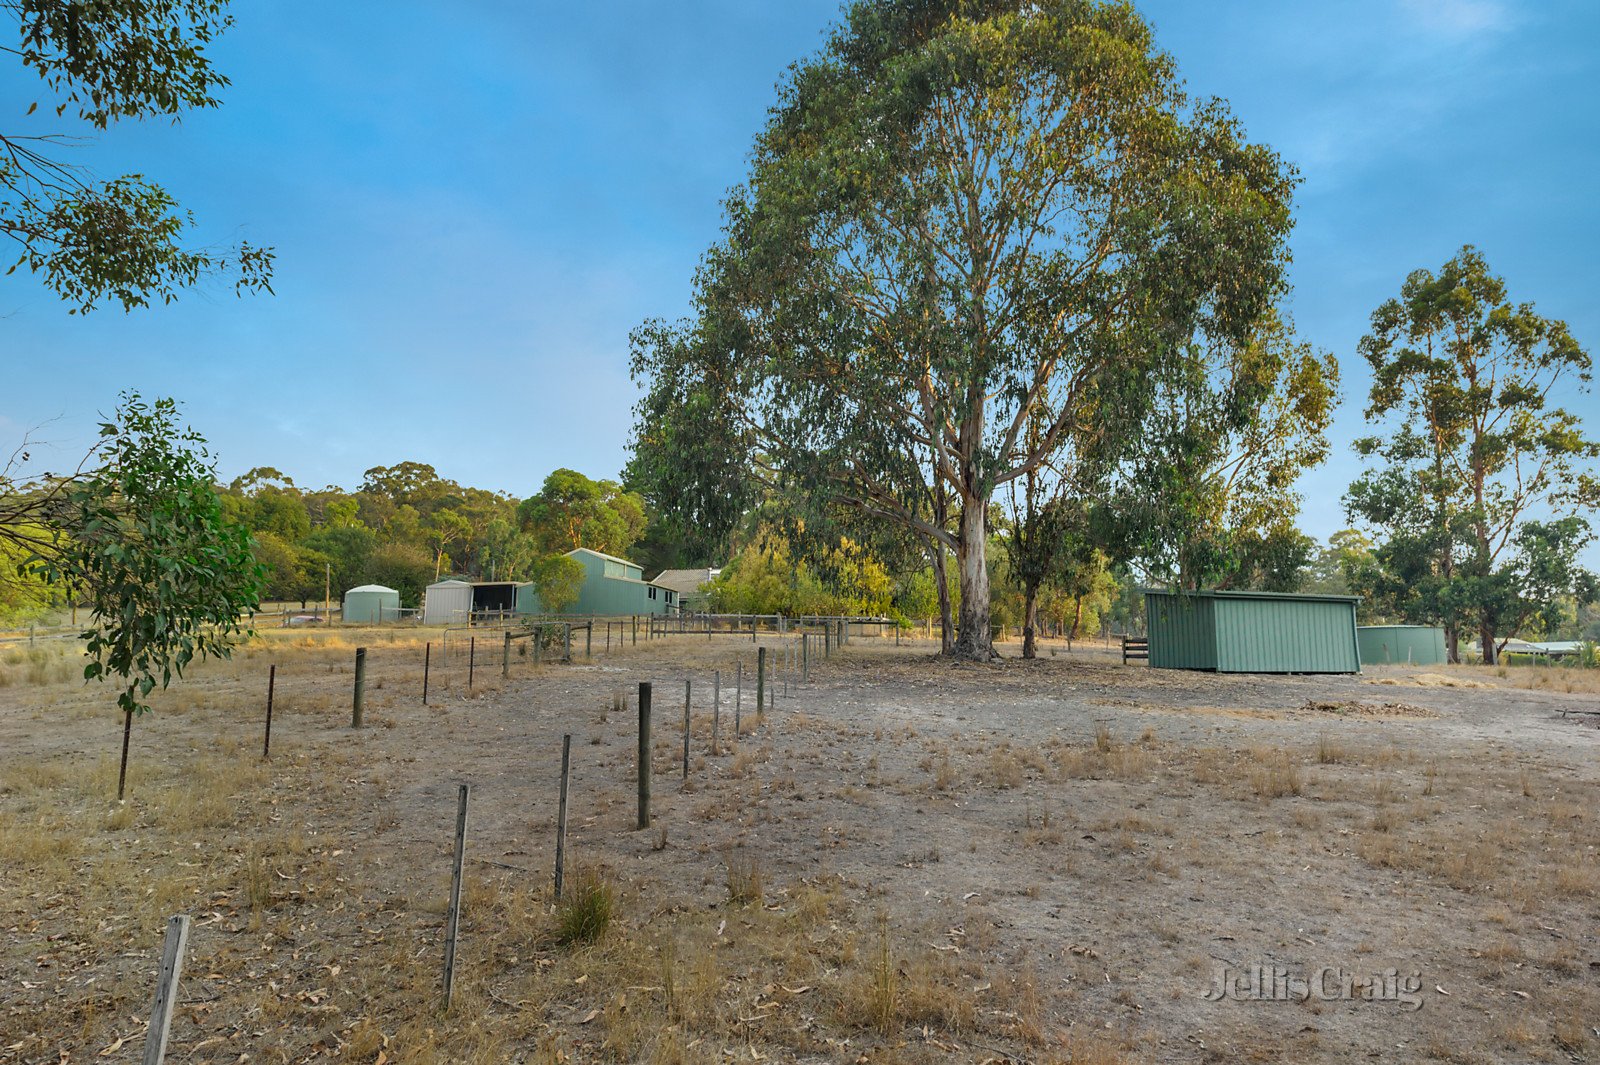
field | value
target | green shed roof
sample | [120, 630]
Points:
[1230, 593]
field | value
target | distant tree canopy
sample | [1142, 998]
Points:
[120, 239]
[962, 220]
[405, 525]
[571, 511]
[1480, 489]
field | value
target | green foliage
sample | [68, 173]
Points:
[285, 569]
[145, 546]
[558, 581]
[119, 239]
[1334, 566]
[1481, 489]
[1207, 496]
[765, 578]
[404, 567]
[571, 511]
[443, 528]
[960, 217]
[24, 596]
[917, 594]
[348, 549]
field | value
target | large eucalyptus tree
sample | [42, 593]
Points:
[1483, 479]
[963, 219]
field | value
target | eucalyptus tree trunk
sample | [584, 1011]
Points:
[974, 639]
[1486, 636]
[941, 514]
[1030, 621]
[941, 578]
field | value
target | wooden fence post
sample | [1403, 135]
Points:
[453, 924]
[716, 725]
[644, 754]
[361, 687]
[272, 680]
[761, 679]
[561, 815]
[505, 656]
[172, 950]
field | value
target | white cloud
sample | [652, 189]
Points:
[1458, 18]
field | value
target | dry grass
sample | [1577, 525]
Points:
[1329, 750]
[744, 879]
[1275, 774]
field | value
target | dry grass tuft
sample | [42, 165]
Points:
[1329, 750]
[1275, 775]
[584, 912]
[744, 879]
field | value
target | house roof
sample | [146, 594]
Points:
[685, 581]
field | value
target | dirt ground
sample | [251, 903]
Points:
[1064, 860]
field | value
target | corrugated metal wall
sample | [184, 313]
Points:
[1417, 645]
[1286, 636]
[1182, 629]
[1251, 633]
[446, 603]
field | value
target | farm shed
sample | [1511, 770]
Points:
[1252, 632]
[454, 601]
[371, 602]
[614, 586]
[446, 601]
[1406, 645]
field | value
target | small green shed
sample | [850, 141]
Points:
[1404, 645]
[1252, 632]
[371, 603]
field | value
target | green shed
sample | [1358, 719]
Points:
[1252, 632]
[1406, 645]
[370, 603]
[612, 587]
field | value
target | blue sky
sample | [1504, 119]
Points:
[473, 203]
